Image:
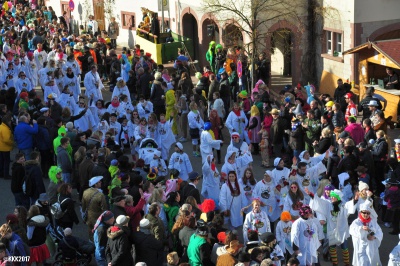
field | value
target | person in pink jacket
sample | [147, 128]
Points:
[356, 130]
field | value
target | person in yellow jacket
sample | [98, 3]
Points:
[170, 102]
[6, 146]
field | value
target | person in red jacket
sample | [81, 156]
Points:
[356, 130]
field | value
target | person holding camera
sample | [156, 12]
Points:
[367, 236]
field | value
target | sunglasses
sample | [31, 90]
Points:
[235, 137]
[366, 213]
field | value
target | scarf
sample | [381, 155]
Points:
[115, 104]
[60, 56]
[236, 112]
[213, 167]
[70, 75]
[237, 145]
[363, 220]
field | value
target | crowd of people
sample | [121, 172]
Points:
[139, 195]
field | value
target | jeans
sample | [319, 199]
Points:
[21, 200]
[27, 153]
[5, 163]
[66, 177]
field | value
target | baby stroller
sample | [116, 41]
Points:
[84, 250]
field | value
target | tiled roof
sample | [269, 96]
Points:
[389, 48]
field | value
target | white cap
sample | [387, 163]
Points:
[44, 109]
[144, 223]
[179, 145]
[343, 177]
[362, 185]
[397, 141]
[122, 220]
[372, 103]
[94, 180]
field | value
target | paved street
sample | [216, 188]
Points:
[7, 199]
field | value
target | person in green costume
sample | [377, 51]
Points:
[210, 55]
[62, 132]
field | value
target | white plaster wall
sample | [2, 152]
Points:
[376, 10]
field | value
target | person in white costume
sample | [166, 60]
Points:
[85, 122]
[40, 56]
[308, 177]
[282, 232]
[229, 165]
[248, 183]
[22, 83]
[211, 178]
[93, 84]
[196, 125]
[231, 201]
[115, 107]
[207, 143]
[127, 106]
[280, 175]
[394, 256]
[165, 136]
[74, 65]
[336, 214]
[237, 122]
[71, 80]
[243, 153]
[159, 163]
[310, 161]
[265, 191]
[304, 237]
[121, 88]
[367, 237]
[145, 108]
[67, 100]
[49, 88]
[180, 161]
[256, 219]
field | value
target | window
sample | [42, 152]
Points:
[339, 43]
[128, 20]
[333, 43]
[329, 41]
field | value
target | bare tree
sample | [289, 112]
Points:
[253, 19]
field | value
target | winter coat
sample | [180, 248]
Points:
[68, 206]
[296, 139]
[118, 250]
[64, 160]
[18, 174]
[157, 227]
[6, 138]
[148, 248]
[392, 197]
[101, 169]
[85, 172]
[23, 135]
[37, 230]
[97, 206]
[42, 139]
[35, 186]
[157, 93]
[380, 150]
[323, 145]
[277, 131]
[356, 132]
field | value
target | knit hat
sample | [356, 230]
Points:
[12, 218]
[122, 220]
[267, 237]
[105, 216]
[221, 237]
[285, 216]
[362, 186]
[23, 95]
[144, 223]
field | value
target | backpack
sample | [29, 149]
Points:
[56, 209]
[27, 184]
